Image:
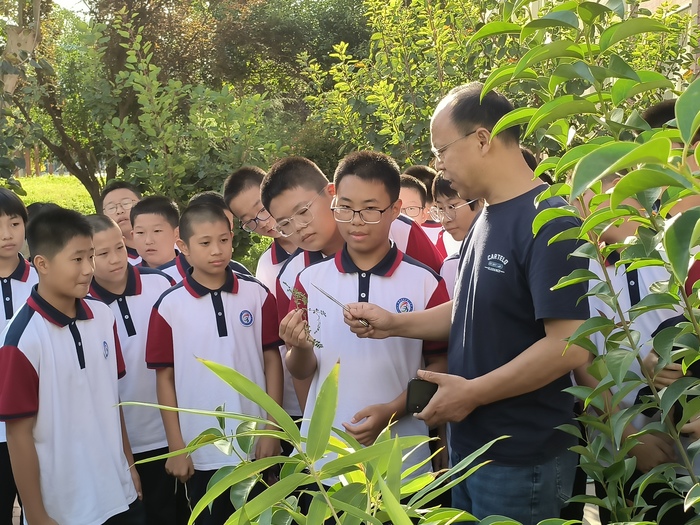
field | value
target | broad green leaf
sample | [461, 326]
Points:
[542, 52]
[672, 393]
[592, 326]
[322, 418]
[498, 520]
[494, 28]
[564, 72]
[516, 117]
[560, 107]
[246, 440]
[644, 179]
[616, 6]
[632, 26]
[548, 164]
[688, 112]
[605, 216]
[250, 390]
[502, 75]
[589, 11]
[566, 19]
[679, 239]
[618, 363]
[571, 157]
[595, 165]
[692, 498]
[625, 88]
[240, 491]
[549, 214]
[577, 276]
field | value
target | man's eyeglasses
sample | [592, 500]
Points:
[437, 152]
[301, 218]
[367, 215]
[449, 212]
[252, 224]
[412, 211]
[126, 205]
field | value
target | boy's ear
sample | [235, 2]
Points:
[331, 189]
[182, 246]
[41, 264]
[396, 209]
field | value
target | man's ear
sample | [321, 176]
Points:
[182, 246]
[485, 140]
[41, 264]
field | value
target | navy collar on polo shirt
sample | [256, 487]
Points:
[133, 287]
[21, 272]
[51, 314]
[133, 253]
[199, 290]
[277, 253]
[384, 268]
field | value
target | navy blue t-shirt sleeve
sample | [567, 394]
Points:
[546, 265]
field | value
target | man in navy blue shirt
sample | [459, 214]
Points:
[508, 361]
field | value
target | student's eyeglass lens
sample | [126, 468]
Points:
[450, 211]
[252, 224]
[126, 205]
[412, 211]
[367, 215]
[301, 218]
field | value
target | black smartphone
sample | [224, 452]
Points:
[419, 394]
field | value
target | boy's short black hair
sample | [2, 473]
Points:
[426, 175]
[208, 198]
[198, 214]
[468, 111]
[36, 207]
[242, 179]
[444, 188]
[101, 223]
[11, 204]
[157, 205]
[290, 173]
[119, 185]
[371, 166]
[409, 181]
[53, 228]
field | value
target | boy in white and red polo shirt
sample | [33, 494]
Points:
[222, 316]
[59, 363]
[373, 373]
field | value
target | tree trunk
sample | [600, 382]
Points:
[27, 163]
[37, 160]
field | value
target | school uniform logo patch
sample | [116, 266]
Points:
[496, 263]
[404, 305]
[105, 349]
[246, 318]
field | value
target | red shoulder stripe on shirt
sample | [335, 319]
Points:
[19, 385]
[159, 342]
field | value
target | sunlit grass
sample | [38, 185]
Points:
[66, 191]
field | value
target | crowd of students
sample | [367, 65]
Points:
[119, 306]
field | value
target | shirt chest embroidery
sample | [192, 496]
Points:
[495, 262]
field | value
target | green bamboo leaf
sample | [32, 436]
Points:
[393, 473]
[392, 506]
[556, 49]
[317, 510]
[322, 418]
[271, 496]
[679, 239]
[353, 510]
[549, 214]
[648, 81]
[492, 29]
[567, 19]
[644, 179]
[250, 390]
[577, 276]
[688, 112]
[632, 26]
[560, 107]
[502, 75]
[516, 117]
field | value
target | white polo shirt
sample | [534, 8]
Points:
[435, 232]
[270, 264]
[64, 371]
[134, 257]
[179, 266]
[15, 291]
[132, 309]
[449, 273]
[372, 371]
[231, 326]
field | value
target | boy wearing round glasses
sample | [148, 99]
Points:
[369, 267]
